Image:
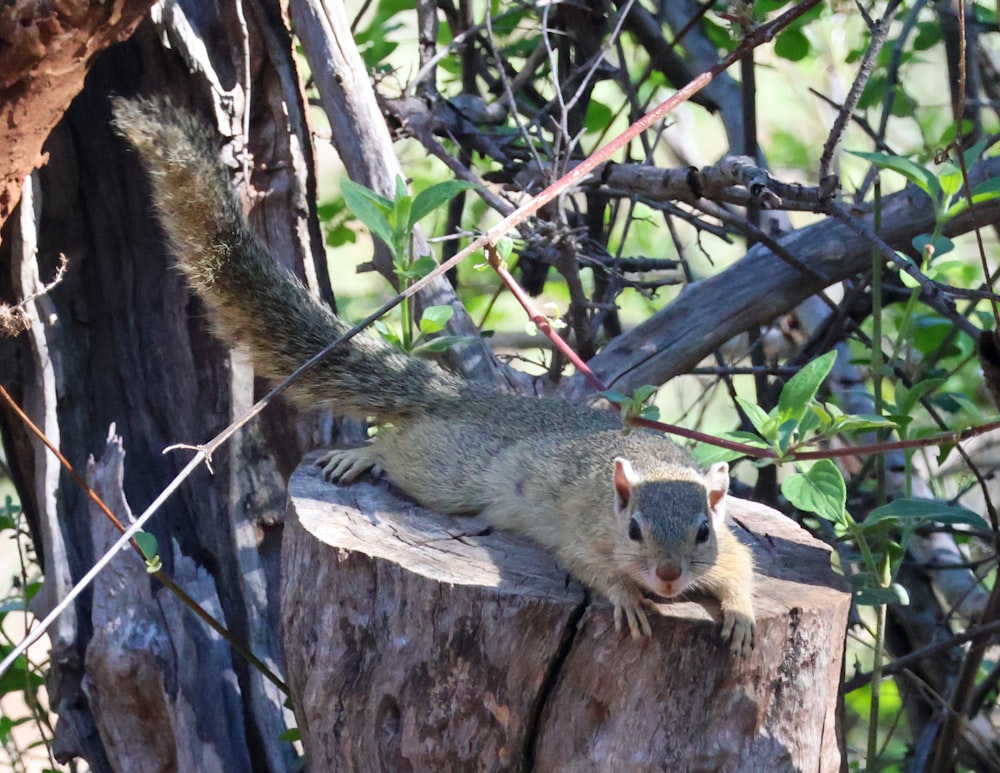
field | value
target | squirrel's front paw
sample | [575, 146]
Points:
[344, 465]
[740, 629]
[635, 616]
[629, 607]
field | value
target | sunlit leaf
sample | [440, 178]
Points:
[436, 196]
[925, 510]
[819, 490]
[916, 174]
[370, 208]
[757, 415]
[801, 388]
[434, 319]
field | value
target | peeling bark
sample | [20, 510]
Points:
[47, 50]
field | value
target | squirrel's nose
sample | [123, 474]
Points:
[668, 572]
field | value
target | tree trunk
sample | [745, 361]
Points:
[120, 341]
[418, 642]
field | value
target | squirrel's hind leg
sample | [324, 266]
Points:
[345, 465]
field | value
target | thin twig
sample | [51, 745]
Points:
[165, 579]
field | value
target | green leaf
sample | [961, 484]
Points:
[705, 454]
[792, 45]
[147, 544]
[19, 676]
[817, 417]
[801, 388]
[31, 589]
[363, 191]
[928, 35]
[505, 246]
[950, 179]
[954, 402]
[972, 154]
[916, 174]
[904, 276]
[819, 490]
[746, 438]
[907, 399]
[418, 269]
[436, 196]
[388, 332]
[758, 417]
[875, 596]
[370, 208]
[786, 434]
[292, 735]
[599, 116]
[440, 344]
[643, 393]
[401, 191]
[434, 319]
[650, 412]
[612, 396]
[400, 215]
[985, 191]
[925, 510]
[942, 245]
[861, 421]
[339, 236]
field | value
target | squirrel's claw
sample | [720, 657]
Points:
[344, 465]
[635, 615]
[741, 631]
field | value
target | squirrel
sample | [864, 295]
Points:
[629, 515]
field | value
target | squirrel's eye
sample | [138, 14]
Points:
[703, 532]
[634, 532]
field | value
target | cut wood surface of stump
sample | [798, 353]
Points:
[418, 642]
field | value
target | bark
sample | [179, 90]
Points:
[120, 341]
[147, 700]
[418, 642]
[47, 51]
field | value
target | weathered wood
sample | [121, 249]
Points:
[147, 700]
[121, 340]
[46, 53]
[417, 642]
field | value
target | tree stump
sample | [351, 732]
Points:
[416, 641]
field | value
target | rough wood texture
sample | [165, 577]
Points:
[121, 340]
[47, 49]
[415, 642]
[147, 700]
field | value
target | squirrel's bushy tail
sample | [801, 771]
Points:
[256, 301]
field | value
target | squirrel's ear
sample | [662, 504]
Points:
[717, 484]
[625, 479]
